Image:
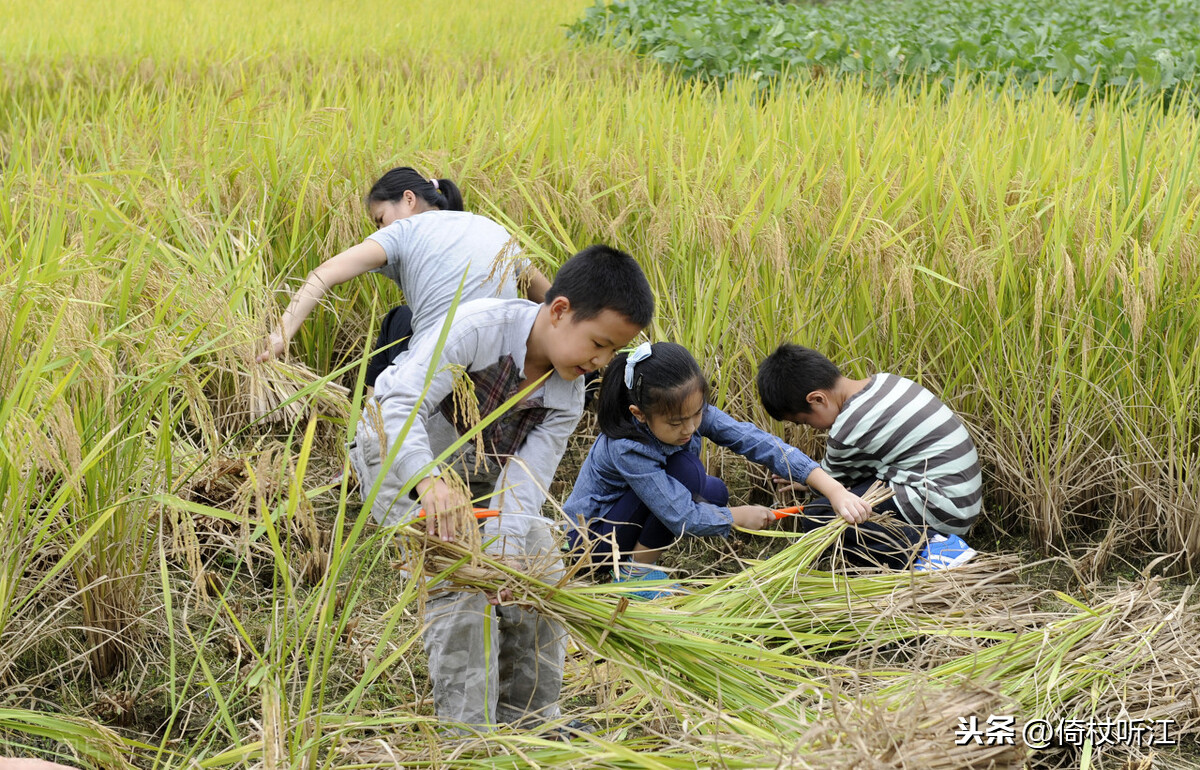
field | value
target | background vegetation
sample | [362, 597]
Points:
[1071, 45]
[184, 575]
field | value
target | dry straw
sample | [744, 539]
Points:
[908, 635]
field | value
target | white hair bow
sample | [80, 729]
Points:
[640, 353]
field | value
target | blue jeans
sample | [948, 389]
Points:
[632, 522]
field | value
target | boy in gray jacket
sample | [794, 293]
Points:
[598, 302]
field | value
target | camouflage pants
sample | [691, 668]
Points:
[492, 665]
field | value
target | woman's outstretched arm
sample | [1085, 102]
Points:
[351, 263]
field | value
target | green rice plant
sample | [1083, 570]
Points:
[85, 737]
[96, 441]
[24, 535]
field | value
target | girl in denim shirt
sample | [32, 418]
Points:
[643, 486]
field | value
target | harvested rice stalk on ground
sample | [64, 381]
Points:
[733, 618]
[1129, 656]
[1153, 663]
[1049, 662]
[916, 731]
[498, 750]
[955, 611]
[712, 678]
[785, 602]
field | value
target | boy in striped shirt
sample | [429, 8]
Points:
[885, 428]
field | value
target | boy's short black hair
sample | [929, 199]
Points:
[787, 376]
[602, 278]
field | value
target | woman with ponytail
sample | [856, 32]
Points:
[643, 486]
[426, 243]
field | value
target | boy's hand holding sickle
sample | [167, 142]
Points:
[443, 506]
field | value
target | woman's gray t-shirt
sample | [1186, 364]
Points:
[428, 254]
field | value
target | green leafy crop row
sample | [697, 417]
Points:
[1072, 44]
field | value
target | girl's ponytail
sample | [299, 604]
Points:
[612, 403]
[662, 383]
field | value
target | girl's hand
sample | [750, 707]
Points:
[438, 498]
[276, 344]
[752, 516]
[851, 507]
[787, 485]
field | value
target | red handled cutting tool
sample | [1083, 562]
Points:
[480, 513]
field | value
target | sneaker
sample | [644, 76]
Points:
[628, 572]
[576, 728]
[944, 552]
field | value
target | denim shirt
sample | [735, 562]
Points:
[615, 466]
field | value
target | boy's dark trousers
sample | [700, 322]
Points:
[892, 544]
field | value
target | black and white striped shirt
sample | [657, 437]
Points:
[898, 431]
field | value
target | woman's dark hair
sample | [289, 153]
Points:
[661, 384]
[391, 186]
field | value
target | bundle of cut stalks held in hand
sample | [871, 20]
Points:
[877, 493]
[462, 563]
[247, 391]
[272, 386]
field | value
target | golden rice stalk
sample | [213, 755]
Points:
[877, 493]
[274, 743]
[272, 393]
[466, 409]
[505, 265]
[271, 385]
[910, 732]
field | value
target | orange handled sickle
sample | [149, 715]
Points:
[480, 513]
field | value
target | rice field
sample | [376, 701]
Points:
[186, 577]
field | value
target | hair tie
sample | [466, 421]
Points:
[433, 181]
[640, 353]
